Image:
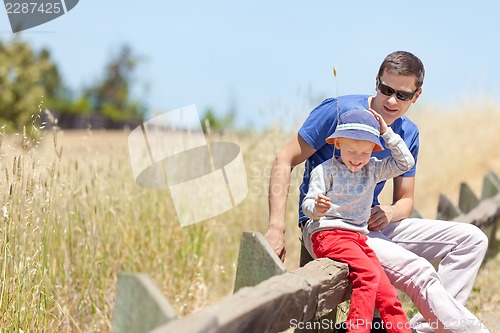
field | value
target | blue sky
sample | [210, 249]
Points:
[269, 59]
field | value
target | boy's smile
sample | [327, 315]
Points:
[355, 154]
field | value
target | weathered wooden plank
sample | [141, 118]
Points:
[273, 305]
[256, 261]
[486, 213]
[201, 322]
[324, 324]
[140, 305]
[305, 258]
[333, 286]
[446, 209]
[491, 185]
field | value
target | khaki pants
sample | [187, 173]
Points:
[405, 248]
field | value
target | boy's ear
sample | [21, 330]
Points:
[337, 144]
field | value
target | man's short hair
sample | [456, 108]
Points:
[403, 63]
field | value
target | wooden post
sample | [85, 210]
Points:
[446, 209]
[491, 232]
[256, 261]
[491, 185]
[416, 214]
[467, 199]
[140, 306]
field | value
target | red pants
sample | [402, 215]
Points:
[370, 285]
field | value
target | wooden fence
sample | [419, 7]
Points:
[267, 298]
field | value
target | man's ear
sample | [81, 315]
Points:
[417, 95]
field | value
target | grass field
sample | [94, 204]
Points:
[73, 218]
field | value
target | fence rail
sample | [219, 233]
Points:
[267, 298]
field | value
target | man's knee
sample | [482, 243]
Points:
[480, 237]
[418, 275]
[477, 239]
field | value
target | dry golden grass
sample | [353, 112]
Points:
[456, 146]
[71, 224]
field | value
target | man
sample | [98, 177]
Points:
[403, 245]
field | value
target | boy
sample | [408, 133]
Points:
[338, 205]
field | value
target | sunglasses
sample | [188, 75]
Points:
[400, 94]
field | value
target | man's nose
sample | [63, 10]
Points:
[393, 99]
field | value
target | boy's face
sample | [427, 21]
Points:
[391, 107]
[354, 153]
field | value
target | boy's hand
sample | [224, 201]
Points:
[322, 203]
[383, 124]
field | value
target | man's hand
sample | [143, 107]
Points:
[380, 217]
[276, 239]
[294, 153]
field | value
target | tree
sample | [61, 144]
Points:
[27, 78]
[211, 123]
[111, 96]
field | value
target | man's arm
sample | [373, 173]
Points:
[402, 207]
[294, 153]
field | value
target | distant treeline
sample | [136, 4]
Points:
[31, 82]
[87, 121]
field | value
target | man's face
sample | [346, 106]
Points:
[391, 107]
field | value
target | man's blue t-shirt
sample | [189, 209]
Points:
[321, 123]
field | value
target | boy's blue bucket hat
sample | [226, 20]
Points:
[357, 125]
